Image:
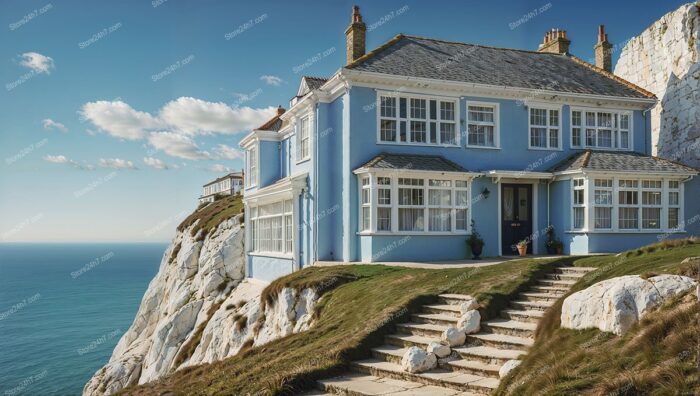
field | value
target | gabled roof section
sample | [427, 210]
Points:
[620, 162]
[461, 62]
[309, 84]
[274, 124]
[411, 162]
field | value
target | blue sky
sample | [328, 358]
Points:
[114, 113]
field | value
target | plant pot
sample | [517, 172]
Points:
[476, 251]
[522, 250]
[551, 250]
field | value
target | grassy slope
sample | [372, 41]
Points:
[212, 214]
[360, 305]
[657, 356]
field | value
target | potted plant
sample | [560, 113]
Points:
[559, 246]
[476, 244]
[522, 247]
[551, 241]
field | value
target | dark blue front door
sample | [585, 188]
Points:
[516, 217]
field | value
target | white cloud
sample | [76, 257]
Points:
[177, 145]
[155, 163]
[37, 62]
[116, 163]
[61, 159]
[271, 80]
[193, 116]
[226, 152]
[119, 119]
[51, 124]
[218, 168]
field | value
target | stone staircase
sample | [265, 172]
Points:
[472, 369]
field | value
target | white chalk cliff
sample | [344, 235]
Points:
[665, 60]
[198, 309]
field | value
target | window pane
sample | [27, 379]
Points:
[447, 111]
[673, 198]
[418, 108]
[673, 184]
[576, 136]
[603, 197]
[439, 197]
[461, 219]
[651, 217]
[388, 107]
[433, 110]
[418, 131]
[603, 217]
[651, 197]
[605, 120]
[628, 218]
[578, 197]
[383, 219]
[624, 121]
[480, 113]
[447, 133]
[673, 217]
[365, 218]
[578, 217]
[628, 198]
[538, 117]
[402, 107]
[624, 139]
[387, 131]
[384, 181]
[410, 219]
[440, 219]
[604, 138]
[461, 198]
[576, 118]
[553, 138]
[590, 137]
[384, 196]
[590, 119]
[538, 137]
[461, 183]
[433, 132]
[553, 117]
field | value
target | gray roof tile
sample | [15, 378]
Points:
[451, 61]
[617, 161]
[407, 162]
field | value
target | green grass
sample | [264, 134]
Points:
[212, 214]
[360, 304]
[658, 356]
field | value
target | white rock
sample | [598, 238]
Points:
[468, 305]
[416, 360]
[453, 336]
[439, 349]
[508, 367]
[614, 305]
[470, 322]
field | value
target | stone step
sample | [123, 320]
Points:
[445, 320]
[509, 327]
[422, 329]
[488, 355]
[501, 341]
[568, 276]
[409, 340]
[475, 367]
[394, 354]
[555, 290]
[560, 283]
[532, 305]
[522, 316]
[442, 309]
[438, 377]
[534, 296]
[358, 384]
[577, 270]
[453, 299]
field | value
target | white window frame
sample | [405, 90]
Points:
[581, 205]
[252, 167]
[394, 205]
[610, 205]
[438, 121]
[616, 129]
[303, 140]
[548, 127]
[285, 217]
[496, 124]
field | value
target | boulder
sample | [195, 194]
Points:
[470, 322]
[508, 367]
[439, 349]
[416, 360]
[454, 336]
[468, 305]
[614, 305]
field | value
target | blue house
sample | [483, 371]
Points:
[394, 156]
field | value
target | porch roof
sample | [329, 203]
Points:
[411, 162]
[606, 161]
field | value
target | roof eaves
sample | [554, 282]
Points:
[612, 76]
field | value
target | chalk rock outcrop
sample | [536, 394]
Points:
[200, 292]
[416, 360]
[470, 322]
[439, 349]
[614, 305]
[665, 59]
[453, 336]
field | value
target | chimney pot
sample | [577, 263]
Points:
[355, 36]
[555, 41]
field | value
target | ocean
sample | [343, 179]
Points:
[63, 308]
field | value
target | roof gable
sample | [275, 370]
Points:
[451, 61]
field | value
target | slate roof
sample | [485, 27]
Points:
[273, 124]
[617, 161]
[436, 59]
[312, 83]
[413, 162]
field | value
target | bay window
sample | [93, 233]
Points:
[271, 227]
[482, 124]
[579, 204]
[544, 128]
[413, 204]
[417, 120]
[673, 203]
[600, 129]
[603, 203]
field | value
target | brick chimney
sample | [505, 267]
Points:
[603, 50]
[555, 42]
[355, 36]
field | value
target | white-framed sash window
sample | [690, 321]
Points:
[252, 166]
[417, 120]
[601, 129]
[482, 125]
[579, 204]
[303, 139]
[272, 227]
[545, 128]
[603, 203]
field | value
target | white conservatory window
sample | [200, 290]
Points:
[417, 120]
[271, 228]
